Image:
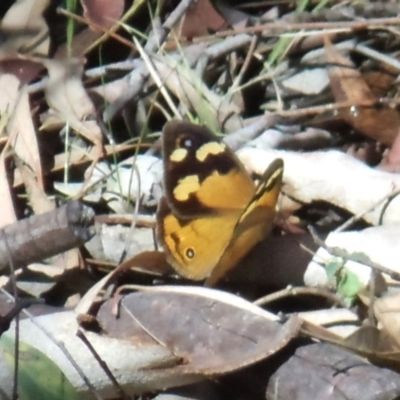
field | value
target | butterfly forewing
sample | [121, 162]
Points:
[202, 175]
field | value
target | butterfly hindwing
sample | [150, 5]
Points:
[255, 222]
[192, 246]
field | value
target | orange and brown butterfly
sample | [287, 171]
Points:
[212, 213]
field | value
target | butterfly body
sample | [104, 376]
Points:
[212, 213]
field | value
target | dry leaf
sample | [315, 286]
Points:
[379, 244]
[213, 331]
[228, 325]
[9, 87]
[339, 321]
[25, 32]
[368, 341]
[8, 215]
[200, 18]
[194, 94]
[391, 161]
[309, 139]
[103, 13]
[38, 199]
[25, 29]
[137, 368]
[24, 70]
[24, 140]
[323, 371]
[347, 84]
[338, 179]
[373, 343]
[134, 179]
[153, 262]
[110, 242]
[387, 312]
[309, 81]
[66, 94]
[137, 179]
[81, 42]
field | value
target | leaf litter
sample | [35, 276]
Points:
[313, 84]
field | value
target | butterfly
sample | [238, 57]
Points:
[212, 213]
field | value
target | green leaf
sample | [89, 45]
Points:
[71, 6]
[349, 285]
[333, 267]
[38, 376]
[320, 6]
[280, 49]
[284, 43]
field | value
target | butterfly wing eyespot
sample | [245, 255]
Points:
[184, 141]
[190, 253]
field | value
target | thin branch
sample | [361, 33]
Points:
[102, 364]
[356, 257]
[296, 291]
[277, 27]
[45, 235]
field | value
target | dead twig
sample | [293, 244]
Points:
[102, 364]
[296, 291]
[45, 235]
[356, 257]
[275, 28]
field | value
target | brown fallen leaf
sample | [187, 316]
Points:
[103, 13]
[381, 81]
[78, 157]
[148, 261]
[378, 345]
[214, 332]
[24, 139]
[115, 241]
[79, 46]
[9, 87]
[66, 95]
[391, 160]
[323, 371]
[40, 204]
[200, 18]
[347, 84]
[195, 95]
[138, 369]
[24, 70]
[27, 158]
[25, 29]
[7, 215]
[375, 344]
[38, 199]
[387, 312]
[153, 262]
